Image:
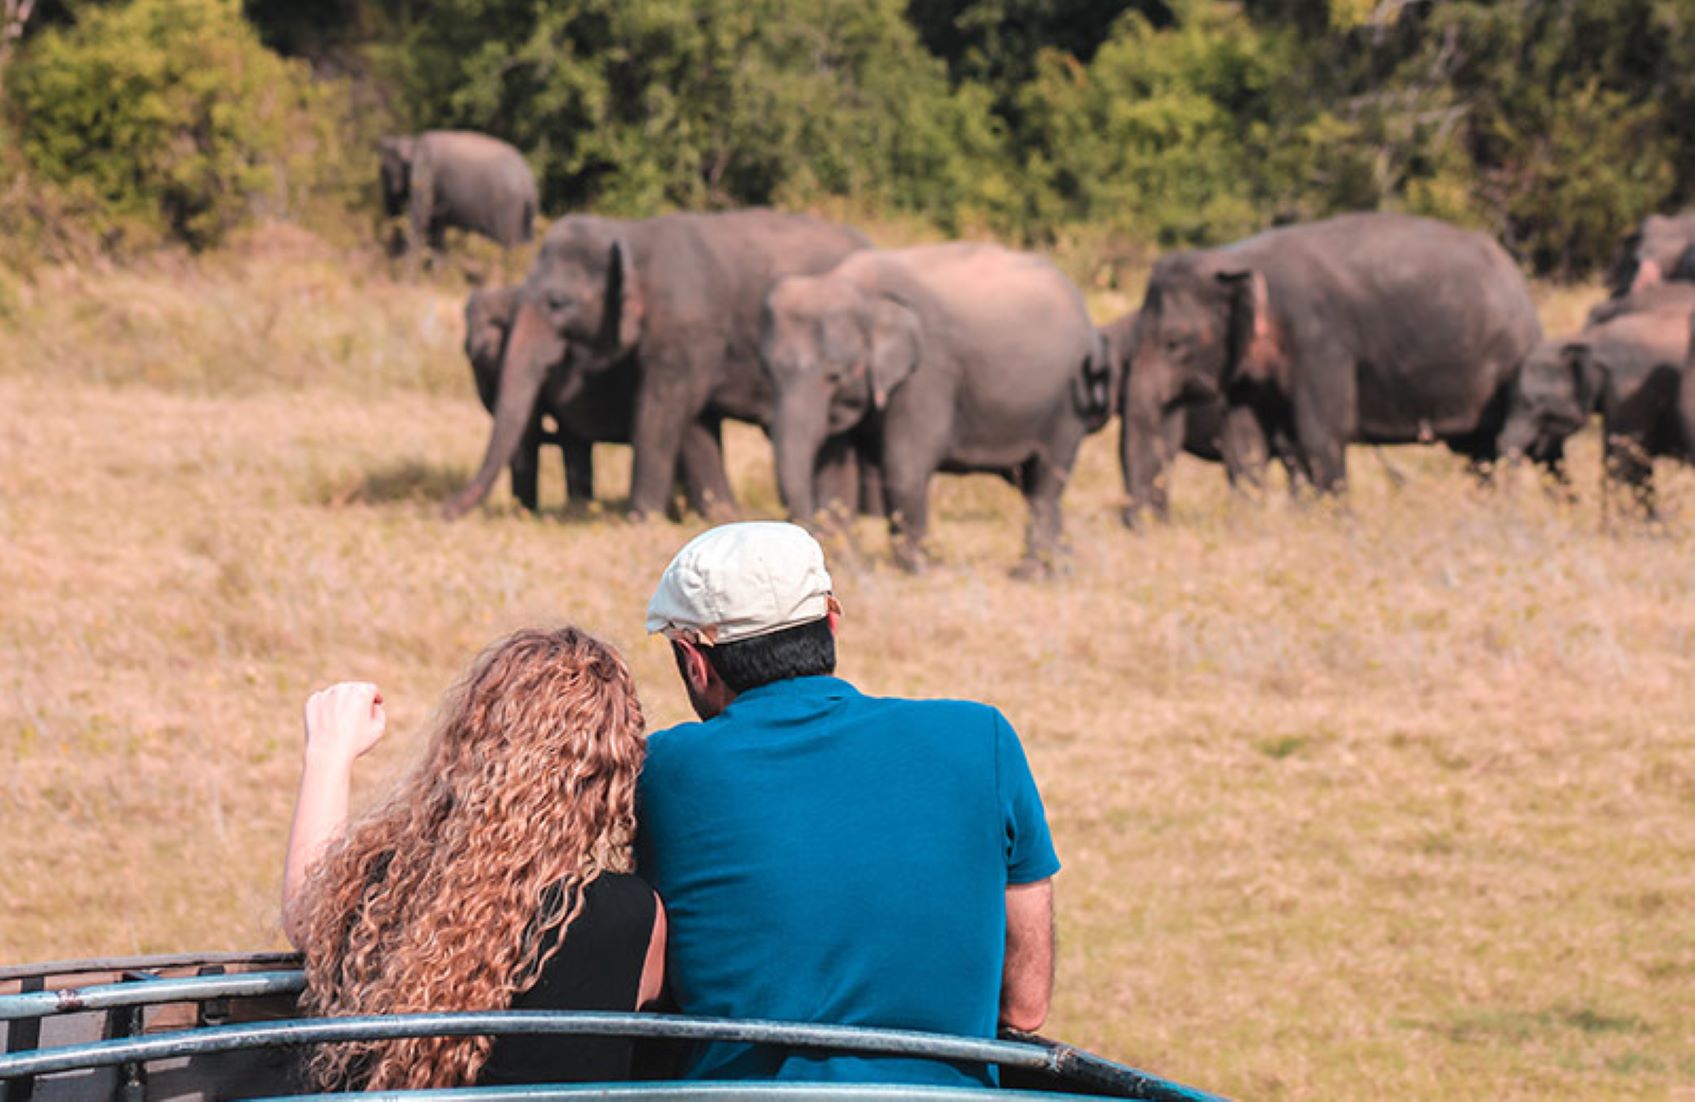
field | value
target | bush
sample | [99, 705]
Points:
[633, 108]
[168, 118]
[1157, 136]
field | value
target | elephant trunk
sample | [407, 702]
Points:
[531, 351]
[1143, 450]
[797, 436]
[1519, 437]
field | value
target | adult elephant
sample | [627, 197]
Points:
[1203, 428]
[669, 305]
[959, 357]
[1631, 369]
[1373, 328]
[585, 412]
[458, 178]
[1660, 250]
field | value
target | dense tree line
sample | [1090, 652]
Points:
[1554, 123]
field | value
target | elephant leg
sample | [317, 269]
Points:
[913, 448]
[1243, 448]
[1324, 420]
[909, 516]
[579, 468]
[1322, 450]
[835, 481]
[1044, 484]
[872, 500]
[701, 467]
[664, 424]
[1629, 463]
[526, 467]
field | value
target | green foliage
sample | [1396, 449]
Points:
[1159, 135]
[168, 118]
[1110, 125]
[640, 105]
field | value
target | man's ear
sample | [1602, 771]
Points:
[692, 661]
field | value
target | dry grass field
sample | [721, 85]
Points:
[1386, 798]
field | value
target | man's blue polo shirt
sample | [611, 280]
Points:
[826, 856]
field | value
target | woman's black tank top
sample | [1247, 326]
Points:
[597, 967]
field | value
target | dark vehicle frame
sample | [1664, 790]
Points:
[194, 1028]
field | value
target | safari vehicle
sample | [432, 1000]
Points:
[214, 1026]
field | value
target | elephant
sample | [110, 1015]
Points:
[1204, 429]
[1371, 328]
[1660, 250]
[459, 178]
[668, 309]
[957, 357]
[1631, 369]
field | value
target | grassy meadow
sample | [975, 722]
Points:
[1386, 798]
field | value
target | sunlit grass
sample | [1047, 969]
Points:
[1378, 798]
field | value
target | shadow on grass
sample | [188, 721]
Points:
[421, 482]
[412, 481]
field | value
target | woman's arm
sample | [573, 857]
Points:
[653, 970]
[342, 722]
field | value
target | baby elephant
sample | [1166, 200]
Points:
[1631, 369]
[960, 357]
[488, 321]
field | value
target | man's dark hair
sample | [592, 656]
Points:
[807, 650]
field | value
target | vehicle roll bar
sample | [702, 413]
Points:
[1059, 1061]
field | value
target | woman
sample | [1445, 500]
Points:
[496, 874]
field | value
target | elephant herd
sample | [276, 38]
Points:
[871, 370]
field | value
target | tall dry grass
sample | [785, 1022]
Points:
[1381, 798]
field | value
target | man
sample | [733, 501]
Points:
[826, 856]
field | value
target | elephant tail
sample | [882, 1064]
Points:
[1091, 386]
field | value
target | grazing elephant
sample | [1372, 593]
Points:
[669, 308]
[960, 357]
[1660, 250]
[1204, 429]
[1375, 328]
[443, 178]
[1631, 369]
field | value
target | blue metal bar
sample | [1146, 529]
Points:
[106, 996]
[496, 1023]
[696, 1092]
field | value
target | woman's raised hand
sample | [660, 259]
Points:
[345, 720]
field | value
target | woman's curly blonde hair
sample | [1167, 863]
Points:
[440, 898]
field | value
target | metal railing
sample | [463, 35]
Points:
[148, 992]
[1061, 1062]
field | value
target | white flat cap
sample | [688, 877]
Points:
[737, 581]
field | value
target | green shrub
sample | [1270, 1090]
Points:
[636, 107]
[1157, 135]
[168, 118]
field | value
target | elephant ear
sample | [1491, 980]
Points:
[626, 309]
[1256, 344]
[1588, 375]
[896, 348]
